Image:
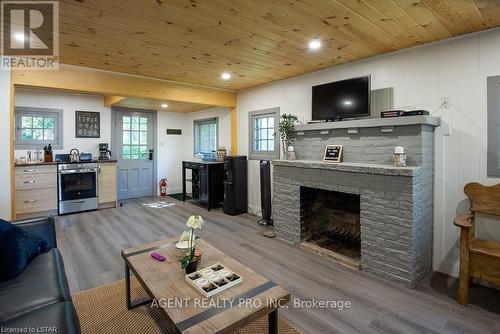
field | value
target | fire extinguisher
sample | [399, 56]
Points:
[163, 187]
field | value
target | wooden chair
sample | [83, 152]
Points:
[478, 258]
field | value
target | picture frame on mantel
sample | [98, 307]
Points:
[333, 153]
[87, 124]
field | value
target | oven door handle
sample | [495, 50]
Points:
[76, 171]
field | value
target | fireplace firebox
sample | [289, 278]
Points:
[331, 220]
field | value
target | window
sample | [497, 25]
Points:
[494, 126]
[135, 137]
[263, 127]
[205, 136]
[37, 127]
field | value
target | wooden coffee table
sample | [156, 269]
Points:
[254, 297]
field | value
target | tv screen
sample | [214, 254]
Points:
[341, 99]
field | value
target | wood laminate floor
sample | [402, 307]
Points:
[91, 242]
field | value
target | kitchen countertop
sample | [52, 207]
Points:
[42, 163]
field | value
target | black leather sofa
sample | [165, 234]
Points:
[39, 299]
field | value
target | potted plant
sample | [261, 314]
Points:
[190, 261]
[286, 128]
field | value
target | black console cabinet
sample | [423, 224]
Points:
[206, 182]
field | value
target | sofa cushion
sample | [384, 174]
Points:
[43, 227]
[54, 318]
[17, 247]
[42, 283]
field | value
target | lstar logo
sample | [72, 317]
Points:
[30, 34]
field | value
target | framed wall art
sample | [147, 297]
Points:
[87, 124]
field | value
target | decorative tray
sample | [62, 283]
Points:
[213, 279]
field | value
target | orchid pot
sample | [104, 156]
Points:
[190, 261]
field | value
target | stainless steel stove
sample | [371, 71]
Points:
[78, 187]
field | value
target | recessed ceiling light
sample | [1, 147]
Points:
[164, 105]
[315, 44]
[348, 102]
[225, 76]
[19, 36]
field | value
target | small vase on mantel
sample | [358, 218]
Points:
[290, 153]
[399, 157]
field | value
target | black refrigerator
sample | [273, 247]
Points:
[235, 185]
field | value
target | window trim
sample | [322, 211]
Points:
[493, 163]
[271, 155]
[57, 144]
[203, 121]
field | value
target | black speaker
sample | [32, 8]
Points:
[235, 185]
[265, 192]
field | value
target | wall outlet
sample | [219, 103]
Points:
[445, 102]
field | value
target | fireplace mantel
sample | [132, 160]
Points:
[352, 167]
[383, 123]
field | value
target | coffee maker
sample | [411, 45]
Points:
[104, 152]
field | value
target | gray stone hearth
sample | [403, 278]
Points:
[396, 204]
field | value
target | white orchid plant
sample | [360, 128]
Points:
[195, 222]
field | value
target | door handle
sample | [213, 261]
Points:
[151, 154]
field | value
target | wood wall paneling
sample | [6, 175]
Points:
[234, 131]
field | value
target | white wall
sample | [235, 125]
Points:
[172, 149]
[455, 68]
[224, 130]
[69, 102]
[5, 139]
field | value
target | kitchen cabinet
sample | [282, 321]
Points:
[35, 190]
[107, 184]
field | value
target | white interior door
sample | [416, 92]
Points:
[134, 151]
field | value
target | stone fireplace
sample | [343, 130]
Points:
[313, 200]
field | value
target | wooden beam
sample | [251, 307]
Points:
[234, 131]
[155, 104]
[87, 80]
[110, 100]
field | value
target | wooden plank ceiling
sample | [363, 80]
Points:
[258, 41]
[155, 104]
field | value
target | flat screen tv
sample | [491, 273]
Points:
[341, 99]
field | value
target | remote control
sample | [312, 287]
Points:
[158, 256]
